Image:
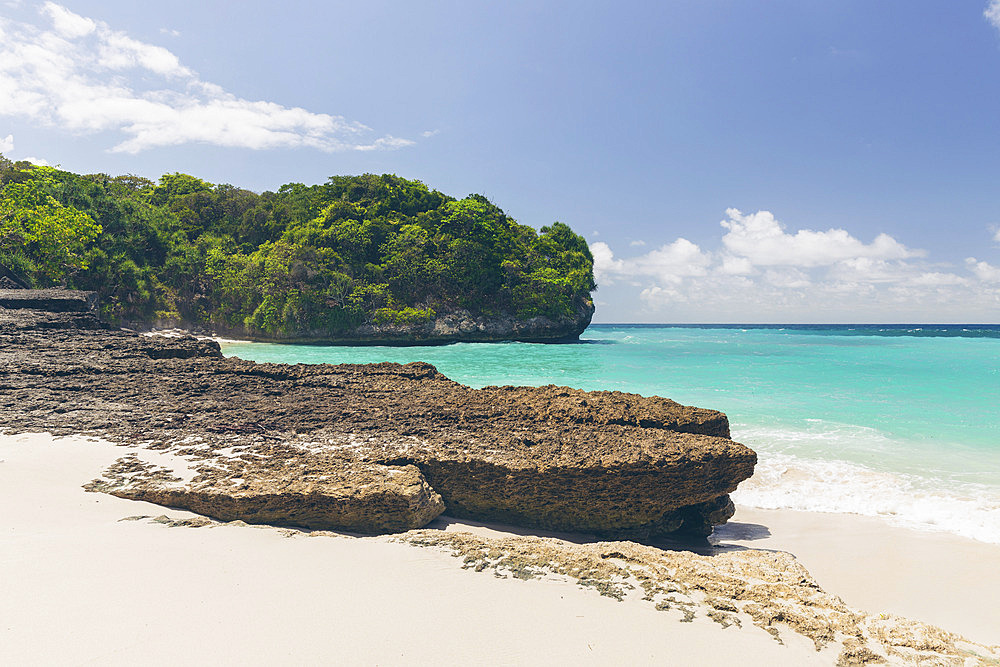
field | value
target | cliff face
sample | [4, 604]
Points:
[369, 448]
[459, 326]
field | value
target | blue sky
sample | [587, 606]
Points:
[727, 161]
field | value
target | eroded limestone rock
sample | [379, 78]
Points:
[609, 463]
[308, 491]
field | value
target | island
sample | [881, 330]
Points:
[370, 259]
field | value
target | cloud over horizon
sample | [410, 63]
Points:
[992, 13]
[760, 271]
[79, 74]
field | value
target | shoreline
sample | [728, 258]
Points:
[820, 465]
[116, 590]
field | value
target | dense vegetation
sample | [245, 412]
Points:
[323, 258]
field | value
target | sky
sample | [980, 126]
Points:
[726, 160]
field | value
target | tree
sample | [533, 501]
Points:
[50, 239]
[177, 185]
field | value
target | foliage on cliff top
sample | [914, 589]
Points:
[303, 260]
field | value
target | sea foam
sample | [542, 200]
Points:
[786, 481]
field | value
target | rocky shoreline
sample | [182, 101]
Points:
[386, 448]
[367, 448]
[459, 326]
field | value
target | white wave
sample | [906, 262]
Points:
[786, 481]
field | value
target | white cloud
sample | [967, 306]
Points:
[762, 239]
[67, 23]
[759, 271]
[938, 279]
[736, 266]
[788, 277]
[83, 76]
[985, 271]
[669, 263]
[170, 32]
[605, 264]
[7, 144]
[992, 13]
[637, 244]
[427, 134]
[868, 270]
[119, 51]
[996, 235]
[673, 261]
[42, 162]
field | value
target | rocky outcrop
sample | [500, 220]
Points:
[462, 326]
[613, 480]
[50, 300]
[322, 493]
[369, 448]
[10, 280]
[452, 327]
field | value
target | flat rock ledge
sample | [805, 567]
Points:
[365, 448]
[341, 495]
[52, 300]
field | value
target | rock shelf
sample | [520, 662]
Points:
[368, 448]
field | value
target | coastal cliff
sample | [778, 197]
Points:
[369, 448]
[460, 326]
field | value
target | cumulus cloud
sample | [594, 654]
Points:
[7, 144]
[67, 23]
[764, 241]
[984, 271]
[670, 263]
[736, 266]
[80, 74]
[759, 270]
[992, 13]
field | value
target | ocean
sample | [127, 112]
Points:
[900, 422]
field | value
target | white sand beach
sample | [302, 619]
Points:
[81, 586]
[936, 577]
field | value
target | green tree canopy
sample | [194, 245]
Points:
[40, 237]
[354, 250]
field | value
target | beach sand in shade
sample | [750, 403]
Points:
[81, 586]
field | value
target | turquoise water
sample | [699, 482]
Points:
[901, 422]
